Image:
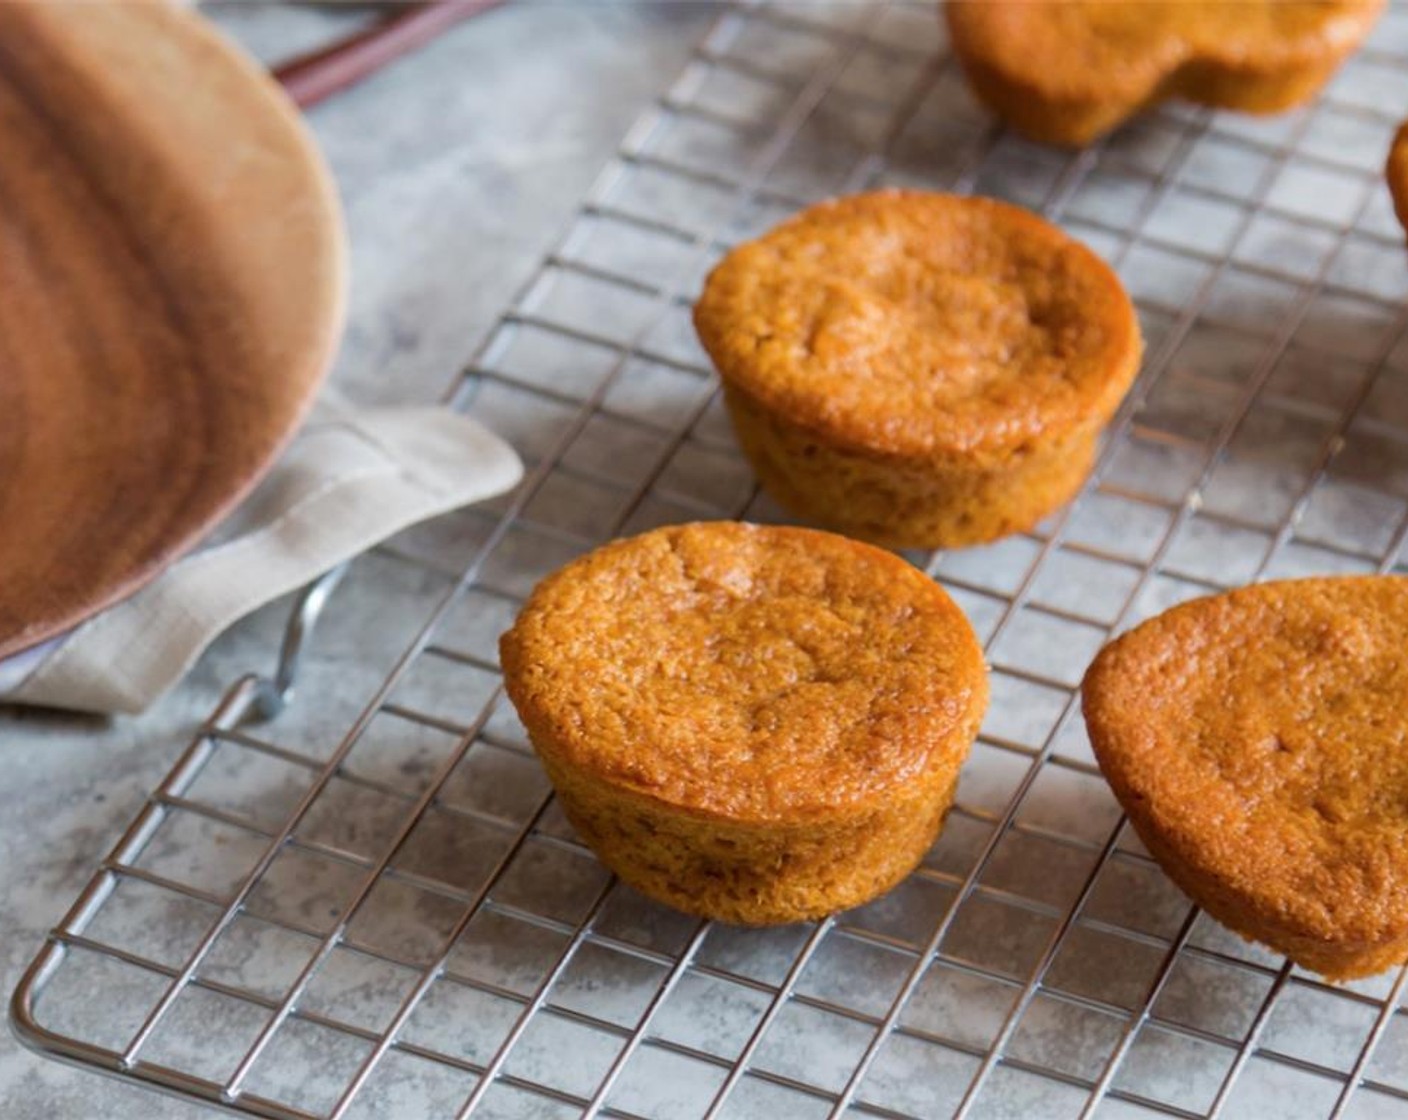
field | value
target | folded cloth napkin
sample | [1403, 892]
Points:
[352, 477]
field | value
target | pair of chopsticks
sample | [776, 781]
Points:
[311, 78]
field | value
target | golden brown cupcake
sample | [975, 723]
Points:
[1259, 743]
[754, 724]
[919, 370]
[1066, 71]
[1397, 173]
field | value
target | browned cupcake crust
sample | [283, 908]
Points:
[1067, 71]
[1257, 742]
[1396, 172]
[919, 369]
[756, 724]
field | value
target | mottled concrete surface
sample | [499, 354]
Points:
[458, 168]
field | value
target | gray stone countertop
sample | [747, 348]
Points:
[458, 168]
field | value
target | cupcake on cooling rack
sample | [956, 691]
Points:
[1067, 71]
[1396, 172]
[755, 724]
[919, 370]
[1257, 741]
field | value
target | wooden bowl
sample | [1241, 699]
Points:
[171, 293]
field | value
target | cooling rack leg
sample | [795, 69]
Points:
[276, 692]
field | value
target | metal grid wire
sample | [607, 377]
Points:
[379, 912]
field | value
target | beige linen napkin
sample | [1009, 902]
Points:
[352, 477]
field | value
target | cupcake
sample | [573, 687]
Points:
[1066, 71]
[1257, 742]
[919, 370]
[753, 724]
[1396, 172]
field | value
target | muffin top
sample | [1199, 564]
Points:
[1124, 49]
[922, 324]
[749, 672]
[1263, 736]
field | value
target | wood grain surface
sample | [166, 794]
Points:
[171, 293]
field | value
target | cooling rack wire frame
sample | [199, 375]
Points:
[379, 911]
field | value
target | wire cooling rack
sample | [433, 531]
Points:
[376, 910]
